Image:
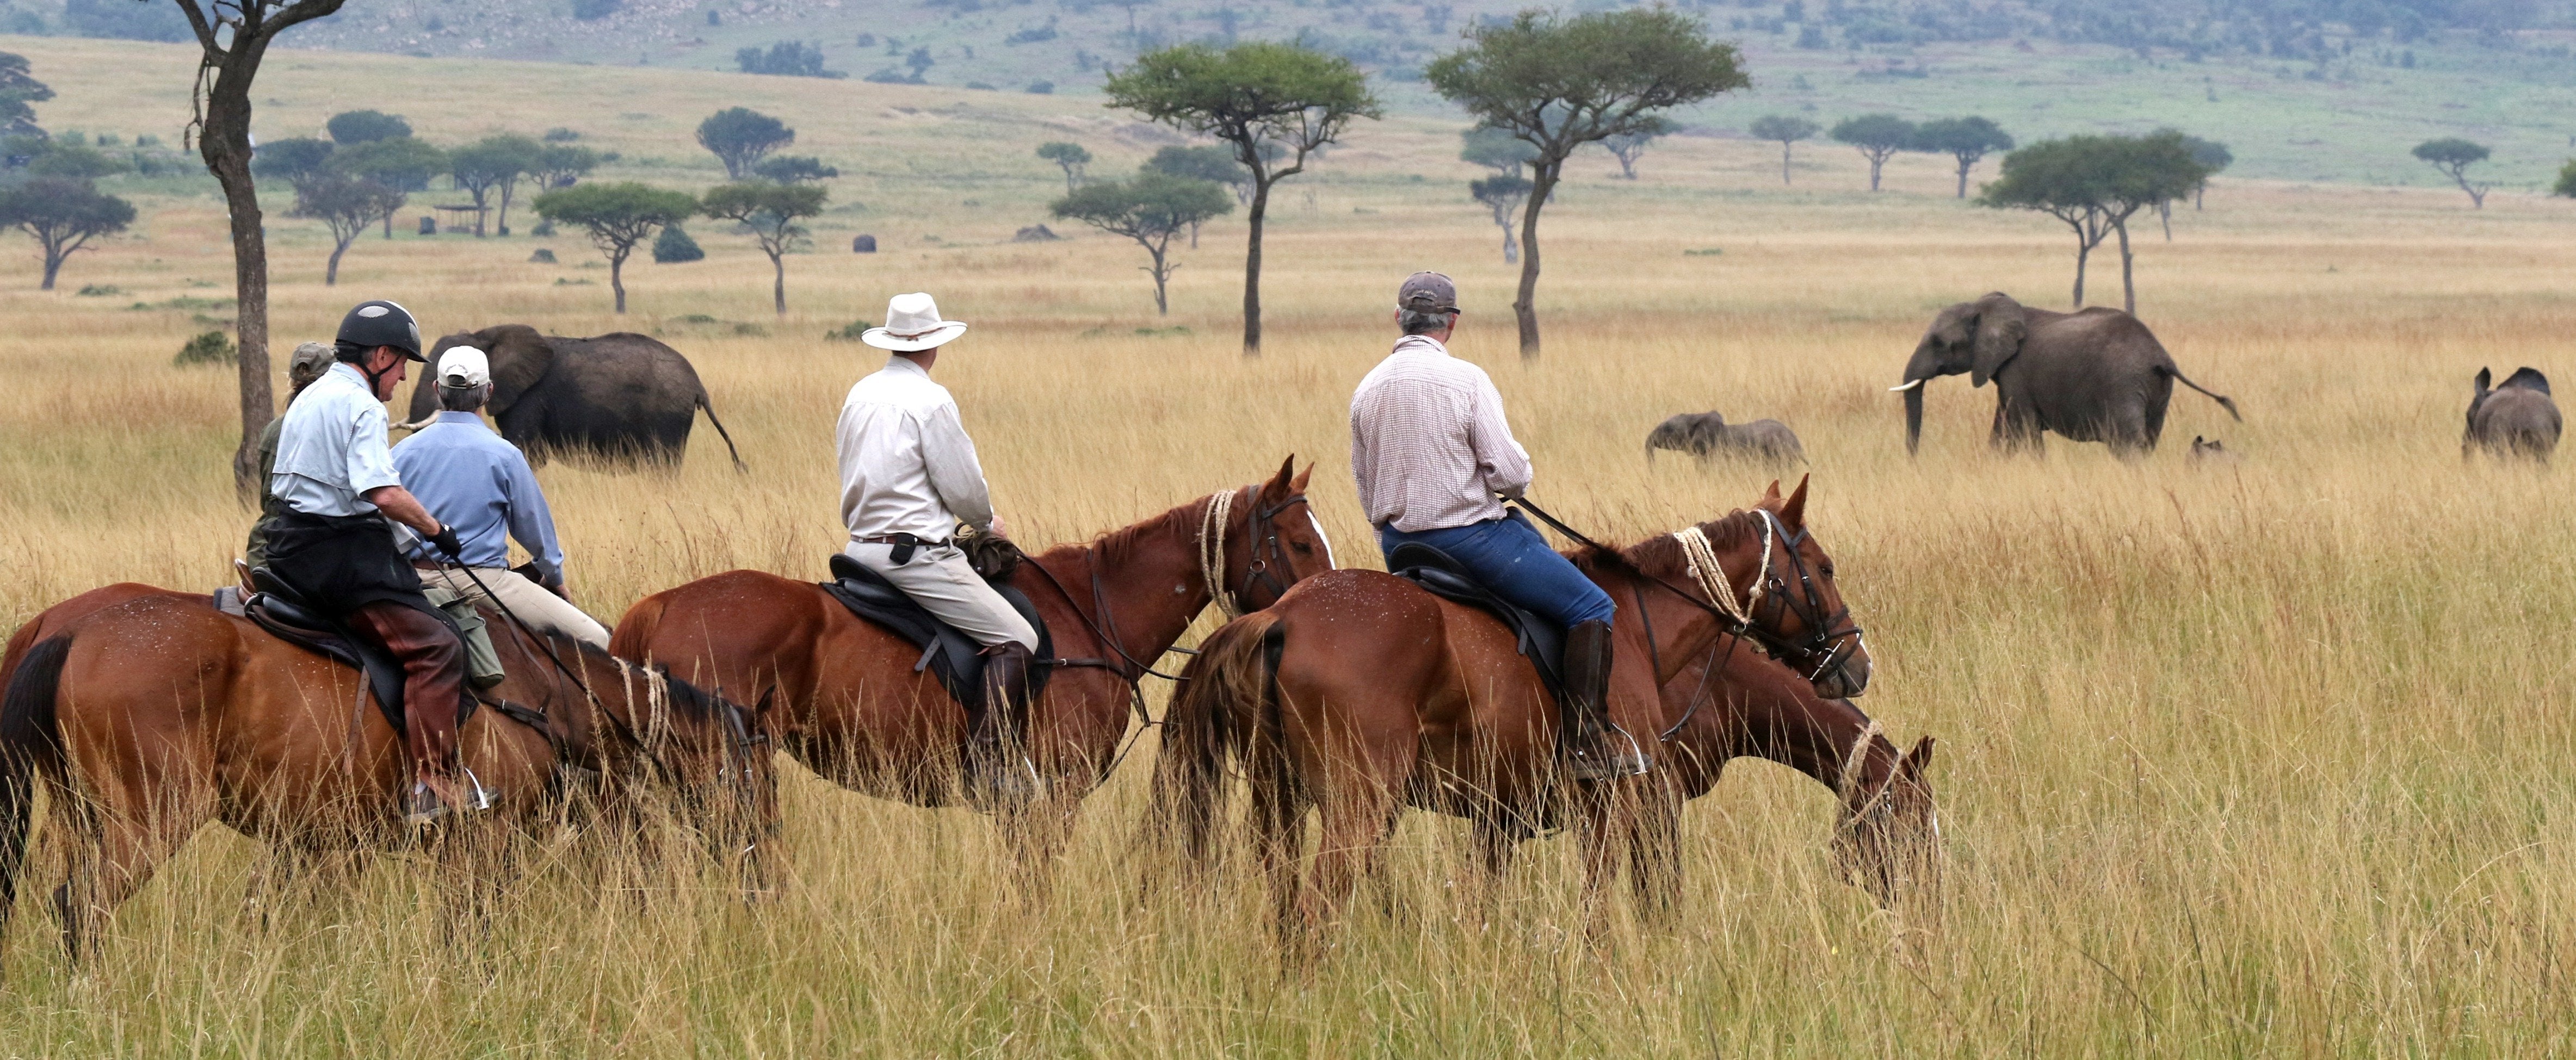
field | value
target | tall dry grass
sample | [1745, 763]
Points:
[2269, 758]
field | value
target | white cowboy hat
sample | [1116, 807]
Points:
[912, 325]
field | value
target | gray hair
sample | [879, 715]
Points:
[466, 399]
[1416, 322]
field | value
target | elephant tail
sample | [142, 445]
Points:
[2222, 399]
[710, 408]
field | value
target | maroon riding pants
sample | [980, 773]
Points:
[433, 679]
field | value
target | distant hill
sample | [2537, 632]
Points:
[2334, 90]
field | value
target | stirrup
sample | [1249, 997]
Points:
[478, 798]
[416, 815]
[1611, 765]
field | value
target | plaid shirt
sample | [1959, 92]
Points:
[1429, 446]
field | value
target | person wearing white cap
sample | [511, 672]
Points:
[909, 477]
[476, 481]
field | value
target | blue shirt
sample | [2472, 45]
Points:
[476, 481]
[331, 448]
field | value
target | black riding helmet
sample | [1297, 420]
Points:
[374, 323]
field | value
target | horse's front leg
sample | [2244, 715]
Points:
[1654, 849]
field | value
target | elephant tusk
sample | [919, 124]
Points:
[413, 425]
[1908, 386]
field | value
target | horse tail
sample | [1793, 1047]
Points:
[2222, 399]
[633, 636]
[1230, 681]
[30, 740]
[708, 405]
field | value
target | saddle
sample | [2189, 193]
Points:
[277, 609]
[954, 656]
[1541, 640]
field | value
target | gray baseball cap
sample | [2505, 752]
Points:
[1427, 292]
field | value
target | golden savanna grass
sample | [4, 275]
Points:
[2270, 758]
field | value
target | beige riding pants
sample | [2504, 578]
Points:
[541, 610]
[939, 579]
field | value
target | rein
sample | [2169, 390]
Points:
[1258, 527]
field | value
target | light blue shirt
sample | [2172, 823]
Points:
[331, 449]
[477, 482]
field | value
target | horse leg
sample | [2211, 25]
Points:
[1279, 835]
[1036, 834]
[1357, 821]
[113, 857]
[1495, 846]
[1605, 816]
[1654, 854]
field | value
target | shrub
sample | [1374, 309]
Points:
[211, 348]
[674, 246]
[543, 256]
[849, 332]
[1041, 88]
[98, 290]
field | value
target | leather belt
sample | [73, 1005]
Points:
[904, 544]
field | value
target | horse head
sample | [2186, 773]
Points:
[1764, 569]
[712, 752]
[1268, 540]
[1890, 835]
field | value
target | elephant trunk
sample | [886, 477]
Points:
[1913, 417]
[1919, 369]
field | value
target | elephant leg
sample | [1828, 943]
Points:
[2152, 422]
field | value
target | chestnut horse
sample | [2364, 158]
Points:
[856, 708]
[1360, 693]
[151, 713]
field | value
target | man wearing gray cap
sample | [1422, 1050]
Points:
[1434, 459]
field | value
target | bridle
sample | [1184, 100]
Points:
[1260, 527]
[1830, 637]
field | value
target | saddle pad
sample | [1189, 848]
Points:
[955, 657]
[1542, 641]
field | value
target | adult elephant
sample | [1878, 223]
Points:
[623, 396]
[2095, 375]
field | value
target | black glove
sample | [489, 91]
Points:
[446, 543]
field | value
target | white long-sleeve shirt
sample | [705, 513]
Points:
[1429, 445]
[907, 466]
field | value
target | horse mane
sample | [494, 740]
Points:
[1117, 546]
[687, 700]
[1660, 555]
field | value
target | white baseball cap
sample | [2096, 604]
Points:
[464, 368]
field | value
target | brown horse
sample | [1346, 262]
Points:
[1359, 693]
[856, 708]
[1734, 703]
[151, 713]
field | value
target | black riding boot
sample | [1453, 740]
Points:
[997, 761]
[1594, 748]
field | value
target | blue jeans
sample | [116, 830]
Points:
[1510, 557]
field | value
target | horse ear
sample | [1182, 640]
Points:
[1772, 493]
[1918, 759]
[1794, 513]
[1298, 484]
[766, 695]
[1279, 482]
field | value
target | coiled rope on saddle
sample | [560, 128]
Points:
[1212, 551]
[1712, 578]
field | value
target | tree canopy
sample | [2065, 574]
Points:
[617, 216]
[402, 163]
[1503, 193]
[1627, 146]
[76, 163]
[350, 128]
[1966, 140]
[296, 160]
[493, 165]
[560, 163]
[740, 137]
[793, 169]
[1150, 209]
[1876, 137]
[1069, 156]
[1496, 149]
[1210, 163]
[19, 93]
[1272, 102]
[1785, 128]
[772, 214]
[346, 205]
[2095, 184]
[1559, 83]
[2453, 156]
[63, 214]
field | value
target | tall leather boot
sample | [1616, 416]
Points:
[997, 759]
[1594, 748]
[433, 689]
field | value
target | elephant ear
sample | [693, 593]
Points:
[520, 359]
[2001, 326]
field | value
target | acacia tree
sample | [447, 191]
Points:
[403, 163]
[1786, 129]
[1504, 195]
[350, 128]
[2095, 184]
[1260, 97]
[1877, 137]
[1211, 163]
[232, 39]
[1068, 156]
[1561, 83]
[2566, 186]
[560, 165]
[1628, 145]
[617, 216]
[492, 166]
[1966, 140]
[1507, 155]
[63, 214]
[298, 160]
[2213, 157]
[740, 137]
[1150, 209]
[347, 205]
[2453, 156]
[771, 213]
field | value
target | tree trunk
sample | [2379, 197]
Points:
[54, 266]
[1525, 307]
[224, 142]
[2199, 192]
[2128, 278]
[1252, 265]
[502, 220]
[389, 224]
[2164, 212]
[1162, 276]
[2083, 250]
[1875, 161]
[617, 280]
[778, 284]
[1511, 247]
[331, 272]
[1784, 161]
[1965, 164]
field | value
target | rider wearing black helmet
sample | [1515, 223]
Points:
[336, 478]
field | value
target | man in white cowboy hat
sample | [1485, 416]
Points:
[479, 483]
[908, 478]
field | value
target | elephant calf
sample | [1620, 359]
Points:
[2518, 419]
[1708, 436]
